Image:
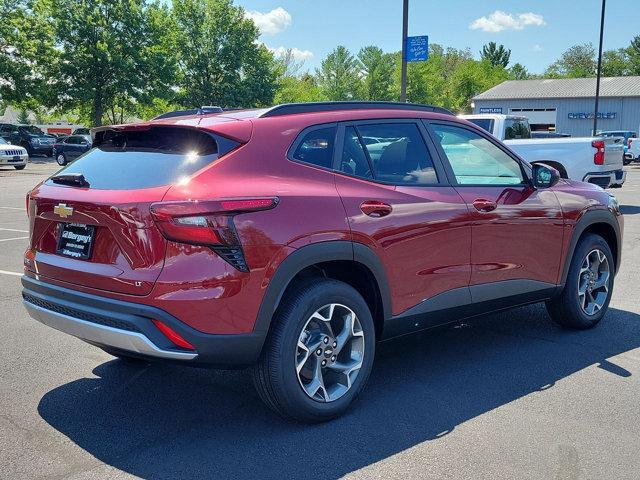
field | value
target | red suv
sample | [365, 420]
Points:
[293, 239]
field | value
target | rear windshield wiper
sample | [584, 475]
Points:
[72, 179]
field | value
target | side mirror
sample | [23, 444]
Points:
[544, 176]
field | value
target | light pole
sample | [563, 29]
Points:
[405, 28]
[595, 115]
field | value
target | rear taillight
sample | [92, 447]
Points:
[173, 335]
[598, 157]
[209, 223]
[28, 203]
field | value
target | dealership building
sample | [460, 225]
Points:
[566, 105]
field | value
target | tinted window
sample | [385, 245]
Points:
[475, 160]
[399, 155]
[72, 140]
[144, 159]
[316, 147]
[484, 123]
[516, 128]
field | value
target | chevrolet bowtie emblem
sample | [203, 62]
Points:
[62, 210]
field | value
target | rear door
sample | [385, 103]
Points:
[517, 229]
[100, 234]
[399, 203]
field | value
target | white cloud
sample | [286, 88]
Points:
[296, 53]
[271, 22]
[536, 48]
[499, 21]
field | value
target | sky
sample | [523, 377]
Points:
[536, 31]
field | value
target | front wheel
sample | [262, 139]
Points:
[587, 291]
[319, 352]
[19, 167]
[61, 159]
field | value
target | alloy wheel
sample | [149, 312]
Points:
[330, 352]
[593, 282]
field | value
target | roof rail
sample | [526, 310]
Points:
[204, 110]
[291, 108]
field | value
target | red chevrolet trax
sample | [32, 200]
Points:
[292, 239]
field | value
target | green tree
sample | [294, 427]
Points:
[616, 63]
[471, 78]
[26, 45]
[298, 89]
[495, 54]
[633, 52]
[518, 72]
[578, 61]
[220, 59]
[114, 53]
[23, 116]
[377, 69]
[338, 77]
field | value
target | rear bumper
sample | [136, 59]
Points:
[128, 328]
[613, 178]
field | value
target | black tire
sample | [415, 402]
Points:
[61, 159]
[19, 167]
[626, 162]
[566, 309]
[275, 376]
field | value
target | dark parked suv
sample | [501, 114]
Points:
[293, 239]
[34, 140]
[67, 149]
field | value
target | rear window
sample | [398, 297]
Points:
[484, 123]
[515, 128]
[147, 158]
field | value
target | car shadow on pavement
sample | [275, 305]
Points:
[629, 209]
[164, 421]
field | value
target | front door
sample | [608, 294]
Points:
[399, 203]
[517, 229]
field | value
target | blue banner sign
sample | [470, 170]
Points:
[587, 116]
[490, 109]
[417, 49]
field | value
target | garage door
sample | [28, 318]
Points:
[539, 118]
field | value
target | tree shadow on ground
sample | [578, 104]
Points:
[172, 422]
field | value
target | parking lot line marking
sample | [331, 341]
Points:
[14, 238]
[13, 208]
[6, 272]
[14, 230]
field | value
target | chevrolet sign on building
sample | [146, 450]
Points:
[566, 105]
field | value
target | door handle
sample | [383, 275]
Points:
[375, 208]
[484, 205]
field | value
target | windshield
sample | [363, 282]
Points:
[32, 129]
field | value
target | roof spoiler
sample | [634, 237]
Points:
[204, 110]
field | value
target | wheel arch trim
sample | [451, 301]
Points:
[313, 254]
[589, 218]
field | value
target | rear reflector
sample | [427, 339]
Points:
[172, 335]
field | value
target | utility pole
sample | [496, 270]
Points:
[595, 115]
[405, 29]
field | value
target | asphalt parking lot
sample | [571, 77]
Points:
[510, 395]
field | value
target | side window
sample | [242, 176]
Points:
[395, 153]
[514, 128]
[354, 159]
[71, 140]
[316, 147]
[475, 160]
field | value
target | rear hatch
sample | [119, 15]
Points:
[91, 223]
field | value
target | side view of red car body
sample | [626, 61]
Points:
[291, 239]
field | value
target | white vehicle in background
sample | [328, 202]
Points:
[596, 160]
[13, 155]
[633, 152]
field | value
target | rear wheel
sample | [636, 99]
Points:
[19, 167]
[587, 291]
[319, 352]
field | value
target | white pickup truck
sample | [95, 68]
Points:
[633, 152]
[595, 160]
